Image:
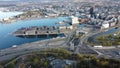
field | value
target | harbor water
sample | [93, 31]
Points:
[8, 40]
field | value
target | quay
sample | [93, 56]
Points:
[44, 30]
[48, 30]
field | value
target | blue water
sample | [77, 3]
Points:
[7, 39]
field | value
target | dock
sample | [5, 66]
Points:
[44, 30]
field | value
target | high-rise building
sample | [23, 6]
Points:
[75, 20]
[91, 11]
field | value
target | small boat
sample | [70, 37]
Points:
[14, 46]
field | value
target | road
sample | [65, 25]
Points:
[107, 52]
[83, 48]
[9, 53]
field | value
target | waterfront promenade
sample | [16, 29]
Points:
[7, 54]
[59, 42]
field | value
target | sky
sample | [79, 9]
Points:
[9, 0]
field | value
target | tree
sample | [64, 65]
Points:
[45, 64]
[11, 65]
[104, 63]
[110, 36]
[22, 65]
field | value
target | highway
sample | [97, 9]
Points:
[10, 53]
[82, 47]
[107, 52]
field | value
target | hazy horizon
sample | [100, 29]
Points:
[34, 0]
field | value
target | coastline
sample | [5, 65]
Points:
[21, 17]
[28, 19]
[8, 53]
[39, 18]
[26, 23]
[9, 14]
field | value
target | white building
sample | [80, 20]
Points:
[6, 19]
[70, 27]
[62, 27]
[105, 24]
[75, 20]
[99, 46]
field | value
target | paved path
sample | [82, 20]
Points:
[9, 53]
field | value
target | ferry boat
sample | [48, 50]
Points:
[14, 46]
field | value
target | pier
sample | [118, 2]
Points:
[44, 30]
